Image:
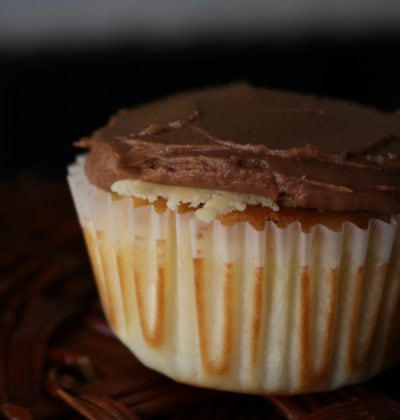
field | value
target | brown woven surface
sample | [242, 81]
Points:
[58, 359]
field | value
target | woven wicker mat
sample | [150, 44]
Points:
[58, 358]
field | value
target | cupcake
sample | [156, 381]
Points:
[247, 239]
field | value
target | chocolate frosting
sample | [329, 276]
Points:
[298, 150]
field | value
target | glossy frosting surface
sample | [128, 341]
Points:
[297, 150]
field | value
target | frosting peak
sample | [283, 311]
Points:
[298, 150]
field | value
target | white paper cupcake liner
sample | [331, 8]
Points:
[278, 310]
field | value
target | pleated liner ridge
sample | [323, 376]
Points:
[278, 310]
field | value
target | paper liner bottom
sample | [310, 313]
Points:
[278, 311]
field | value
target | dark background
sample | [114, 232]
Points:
[50, 98]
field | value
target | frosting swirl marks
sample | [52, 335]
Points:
[298, 150]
